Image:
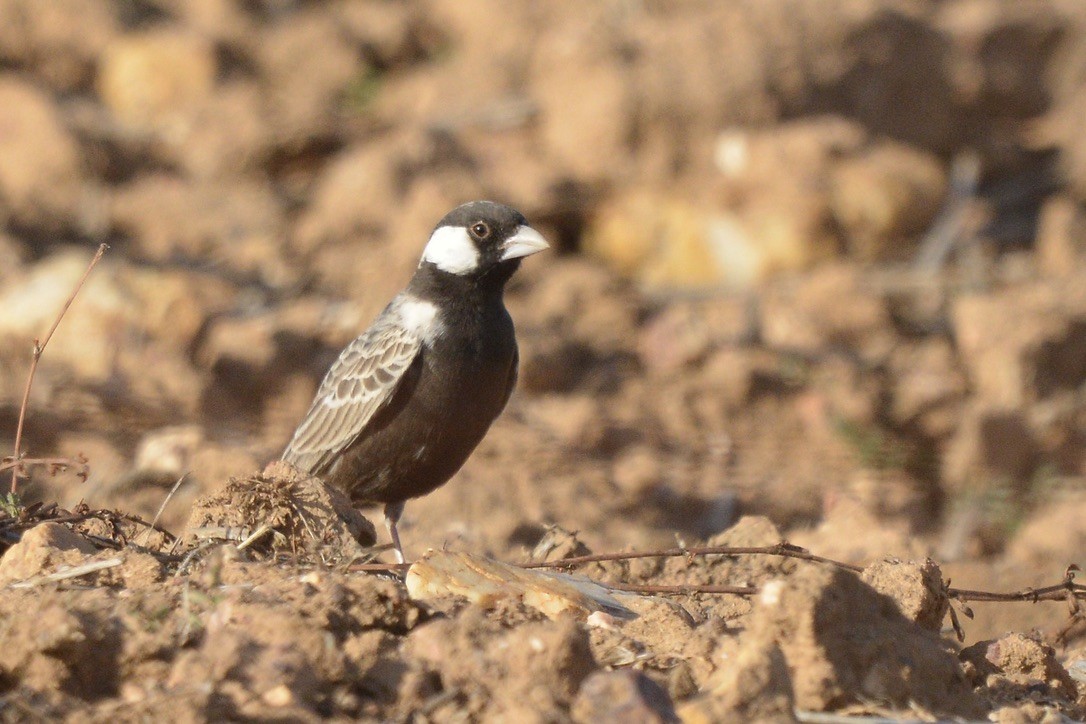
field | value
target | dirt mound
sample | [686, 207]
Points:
[280, 511]
[233, 633]
[846, 643]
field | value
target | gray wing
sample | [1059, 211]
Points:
[360, 383]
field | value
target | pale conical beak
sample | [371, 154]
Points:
[525, 242]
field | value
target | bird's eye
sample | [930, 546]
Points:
[480, 230]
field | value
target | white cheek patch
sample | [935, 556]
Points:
[421, 318]
[450, 249]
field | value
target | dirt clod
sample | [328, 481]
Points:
[285, 511]
[501, 671]
[916, 587]
[624, 695]
[845, 642]
[41, 548]
[1018, 668]
[753, 683]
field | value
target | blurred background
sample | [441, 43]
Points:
[821, 261]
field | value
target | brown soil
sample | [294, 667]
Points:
[746, 334]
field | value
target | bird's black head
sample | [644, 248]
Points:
[480, 242]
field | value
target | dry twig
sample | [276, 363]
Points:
[67, 573]
[1066, 589]
[11, 527]
[165, 502]
[784, 550]
[17, 463]
[55, 465]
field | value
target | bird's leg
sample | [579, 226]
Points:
[393, 511]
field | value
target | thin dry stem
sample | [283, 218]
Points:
[169, 496]
[1066, 589]
[56, 463]
[39, 348]
[64, 575]
[784, 550]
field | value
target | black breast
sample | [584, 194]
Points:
[456, 388]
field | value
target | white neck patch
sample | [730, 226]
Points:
[421, 317]
[450, 249]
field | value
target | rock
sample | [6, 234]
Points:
[1060, 233]
[886, 195]
[637, 470]
[668, 59]
[916, 587]
[352, 195]
[1017, 666]
[682, 334]
[228, 135]
[511, 674]
[659, 242]
[59, 41]
[577, 421]
[929, 387]
[854, 531]
[140, 570]
[373, 654]
[665, 242]
[788, 219]
[392, 33]
[153, 81]
[829, 308]
[1023, 344]
[237, 226]
[752, 684]
[991, 447]
[342, 247]
[662, 633]
[249, 342]
[844, 642]
[223, 20]
[1065, 124]
[876, 55]
[63, 647]
[41, 170]
[306, 63]
[750, 160]
[686, 332]
[584, 139]
[1002, 51]
[899, 502]
[118, 300]
[106, 462]
[469, 81]
[554, 365]
[12, 258]
[279, 654]
[166, 453]
[126, 334]
[561, 298]
[558, 543]
[626, 696]
[1055, 530]
[42, 549]
[751, 531]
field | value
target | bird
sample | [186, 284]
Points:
[407, 402]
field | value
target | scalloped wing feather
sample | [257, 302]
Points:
[361, 382]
